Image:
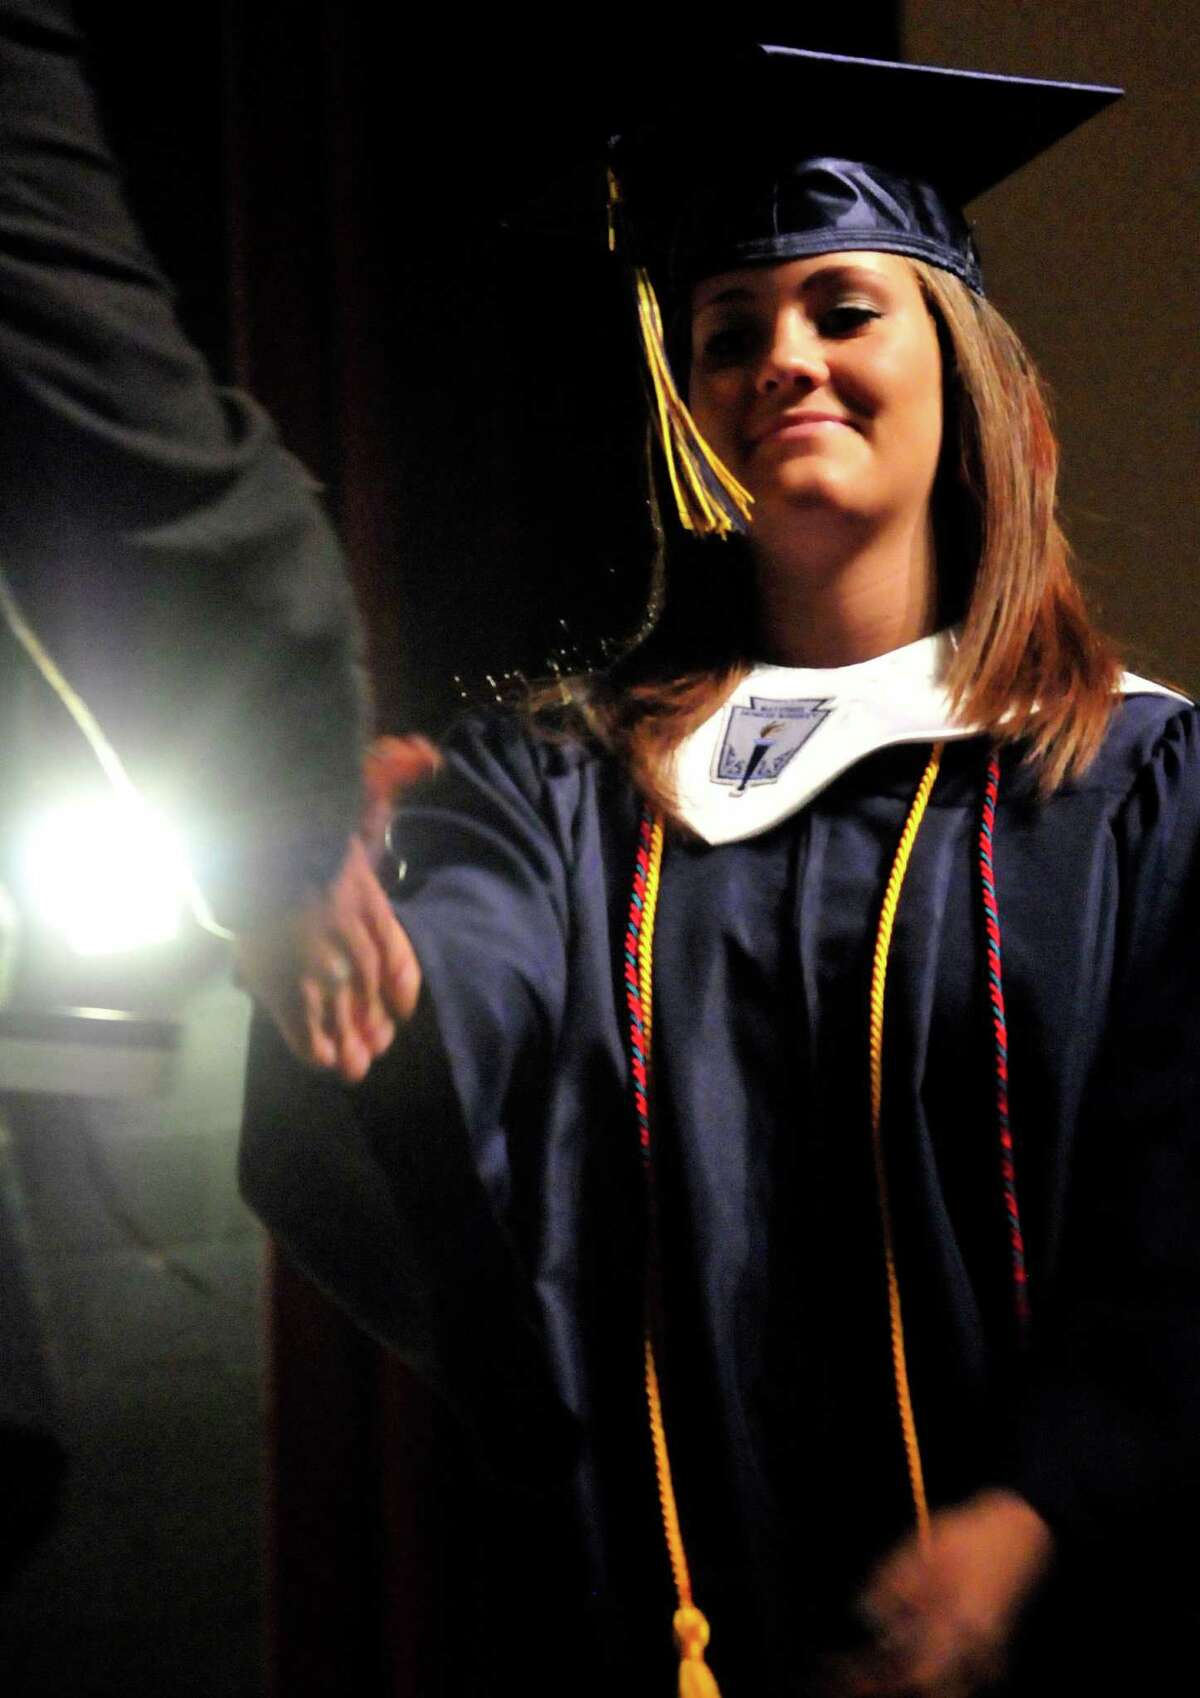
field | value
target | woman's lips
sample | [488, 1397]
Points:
[801, 424]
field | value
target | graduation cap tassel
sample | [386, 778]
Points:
[710, 500]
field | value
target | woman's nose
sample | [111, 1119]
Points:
[795, 357]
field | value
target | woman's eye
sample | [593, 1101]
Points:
[729, 344]
[846, 319]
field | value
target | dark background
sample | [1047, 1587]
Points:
[323, 184]
[326, 187]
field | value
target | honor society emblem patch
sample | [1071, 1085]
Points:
[761, 739]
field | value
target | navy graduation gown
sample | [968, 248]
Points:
[477, 1203]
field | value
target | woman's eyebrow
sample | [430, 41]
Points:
[845, 272]
[735, 292]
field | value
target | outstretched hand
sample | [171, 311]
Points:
[337, 971]
[943, 1613]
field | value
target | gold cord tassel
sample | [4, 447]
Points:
[696, 1679]
[709, 499]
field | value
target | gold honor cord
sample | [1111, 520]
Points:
[107, 758]
[879, 966]
[696, 1679]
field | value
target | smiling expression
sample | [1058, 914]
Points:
[818, 382]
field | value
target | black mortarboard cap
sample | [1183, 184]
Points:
[785, 153]
[815, 152]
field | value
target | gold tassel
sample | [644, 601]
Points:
[696, 1679]
[709, 499]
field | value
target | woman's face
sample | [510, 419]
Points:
[818, 382]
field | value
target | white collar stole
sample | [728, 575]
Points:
[785, 733]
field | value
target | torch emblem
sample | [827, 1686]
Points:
[761, 739]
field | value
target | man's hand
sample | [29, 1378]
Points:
[336, 972]
[943, 1613]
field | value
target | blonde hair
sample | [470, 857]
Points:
[1029, 668]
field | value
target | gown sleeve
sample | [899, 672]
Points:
[396, 1196]
[1108, 1437]
[171, 555]
[486, 904]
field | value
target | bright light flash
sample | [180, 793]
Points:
[108, 874]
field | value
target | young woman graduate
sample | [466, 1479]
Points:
[792, 1161]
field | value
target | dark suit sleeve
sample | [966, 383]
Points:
[172, 556]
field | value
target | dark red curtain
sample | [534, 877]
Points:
[324, 183]
[452, 385]
[451, 381]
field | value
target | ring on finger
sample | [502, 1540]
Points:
[338, 971]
